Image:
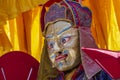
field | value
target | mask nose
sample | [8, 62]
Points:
[57, 47]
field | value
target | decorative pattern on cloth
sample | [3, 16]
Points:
[82, 15]
[86, 40]
[79, 74]
[72, 10]
[55, 12]
[58, 11]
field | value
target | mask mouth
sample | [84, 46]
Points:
[61, 57]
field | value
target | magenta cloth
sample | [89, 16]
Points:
[86, 40]
[17, 65]
[108, 60]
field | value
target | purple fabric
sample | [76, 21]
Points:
[79, 74]
[55, 12]
[86, 40]
[82, 15]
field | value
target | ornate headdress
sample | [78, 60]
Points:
[69, 10]
[65, 10]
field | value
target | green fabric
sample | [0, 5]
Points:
[45, 70]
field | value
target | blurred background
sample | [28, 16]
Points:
[20, 24]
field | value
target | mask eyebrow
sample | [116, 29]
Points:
[64, 29]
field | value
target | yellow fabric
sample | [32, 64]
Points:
[5, 44]
[24, 33]
[22, 29]
[33, 32]
[105, 23]
[11, 8]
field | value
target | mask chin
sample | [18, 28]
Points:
[69, 67]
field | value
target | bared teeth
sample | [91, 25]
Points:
[60, 57]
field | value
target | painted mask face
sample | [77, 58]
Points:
[63, 45]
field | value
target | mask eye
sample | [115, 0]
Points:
[50, 45]
[65, 39]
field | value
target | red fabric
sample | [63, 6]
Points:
[42, 18]
[17, 65]
[107, 59]
[50, 2]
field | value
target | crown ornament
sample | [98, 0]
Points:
[55, 12]
[71, 10]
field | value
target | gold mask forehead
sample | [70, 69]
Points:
[58, 27]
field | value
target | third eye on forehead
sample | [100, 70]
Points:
[58, 28]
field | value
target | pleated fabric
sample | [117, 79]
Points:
[105, 22]
[20, 29]
[11, 8]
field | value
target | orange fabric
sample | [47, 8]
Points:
[9, 9]
[105, 23]
[5, 44]
[20, 26]
[24, 33]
